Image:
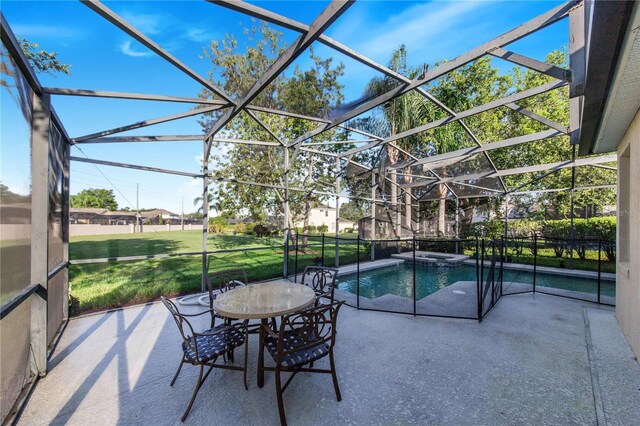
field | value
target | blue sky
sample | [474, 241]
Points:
[104, 58]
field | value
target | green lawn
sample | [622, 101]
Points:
[101, 286]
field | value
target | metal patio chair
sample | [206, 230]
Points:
[303, 337]
[322, 280]
[204, 348]
[221, 281]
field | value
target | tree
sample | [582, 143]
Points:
[95, 198]
[351, 211]
[41, 60]
[313, 92]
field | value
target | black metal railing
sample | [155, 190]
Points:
[457, 278]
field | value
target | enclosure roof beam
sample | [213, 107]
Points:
[264, 126]
[552, 167]
[121, 23]
[535, 24]
[465, 152]
[134, 166]
[126, 95]
[544, 120]
[533, 64]
[146, 123]
[176, 138]
[163, 138]
[468, 113]
[338, 142]
[274, 18]
[332, 12]
[577, 188]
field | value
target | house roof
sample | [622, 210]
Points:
[611, 97]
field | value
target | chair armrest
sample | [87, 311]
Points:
[199, 313]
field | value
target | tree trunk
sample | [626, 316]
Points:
[442, 210]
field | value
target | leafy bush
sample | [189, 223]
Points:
[240, 228]
[312, 229]
[248, 228]
[261, 230]
[348, 230]
[323, 228]
[218, 225]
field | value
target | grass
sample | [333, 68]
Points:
[100, 286]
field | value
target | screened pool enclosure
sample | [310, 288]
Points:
[402, 180]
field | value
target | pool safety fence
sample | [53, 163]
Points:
[457, 278]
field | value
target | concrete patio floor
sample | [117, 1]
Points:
[536, 359]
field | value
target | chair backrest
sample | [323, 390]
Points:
[312, 327]
[221, 281]
[186, 330]
[321, 279]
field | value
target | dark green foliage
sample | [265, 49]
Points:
[94, 198]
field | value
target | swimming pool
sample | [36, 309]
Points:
[398, 280]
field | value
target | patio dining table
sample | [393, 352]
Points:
[263, 301]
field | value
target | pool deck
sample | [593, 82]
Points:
[534, 360]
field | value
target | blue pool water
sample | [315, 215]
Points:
[398, 280]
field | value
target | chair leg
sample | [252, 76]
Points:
[175, 376]
[335, 376]
[193, 397]
[246, 357]
[283, 417]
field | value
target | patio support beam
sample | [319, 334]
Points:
[544, 120]
[205, 215]
[317, 27]
[40, 126]
[15, 51]
[146, 123]
[134, 166]
[533, 64]
[466, 152]
[287, 231]
[464, 114]
[515, 34]
[126, 95]
[338, 189]
[102, 10]
[578, 66]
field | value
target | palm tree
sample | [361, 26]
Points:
[403, 113]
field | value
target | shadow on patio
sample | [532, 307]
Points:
[536, 359]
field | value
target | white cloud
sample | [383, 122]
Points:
[149, 24]
[126, 48]
[429, 30]
[199, 35]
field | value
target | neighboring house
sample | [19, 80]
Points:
[325, 215]
[97, 216]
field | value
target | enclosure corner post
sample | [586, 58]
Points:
[358, 274]
[599, 267]
[535, 260]
[205, 215]
[414, 275]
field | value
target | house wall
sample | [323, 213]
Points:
[628, 238]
